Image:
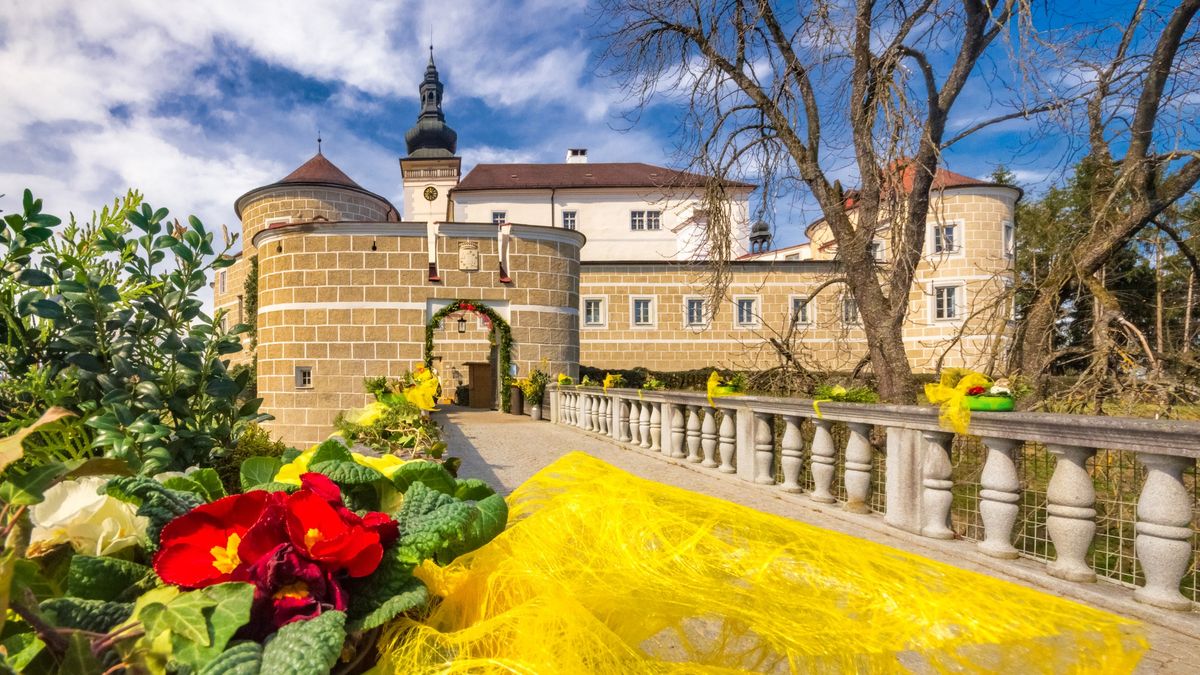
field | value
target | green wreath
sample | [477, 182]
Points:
[500, 335]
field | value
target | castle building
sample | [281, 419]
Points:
[599, 264]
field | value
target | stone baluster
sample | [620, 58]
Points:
[824, 457]
[727, 435]
[858, 468]
[656, 426]
[578, 413]
[644, 426]
[694, 435]
[791, 447]
[999, 497]
[764, 449]
[605, 415]
[585, 412]
[635, 421]
[1164, 534]
[564, 407]
[595, 411]
[678, 431]
[1071, 513]
[622, 420]
[936, 497]
[708, 438]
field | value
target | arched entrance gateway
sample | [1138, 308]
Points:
[485, 379]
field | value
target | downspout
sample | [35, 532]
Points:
[551, 207]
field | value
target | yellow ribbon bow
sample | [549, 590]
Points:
[951, 394]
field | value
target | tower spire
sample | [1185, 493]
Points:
[431, 137]
[318, 140]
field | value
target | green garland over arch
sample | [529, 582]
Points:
[501, 334]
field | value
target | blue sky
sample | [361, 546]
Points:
[195, 103]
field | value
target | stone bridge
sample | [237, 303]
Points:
[1101, 513]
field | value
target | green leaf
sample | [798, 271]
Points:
[79, 659]
[28, 488]
[155, 501]
[204, 483]
[239, 658]
[490, 520]
[386, 594]
[34, 277]
[204, 621]
[22, 649]
[48, 309]
[472, 489]
[431, 474]
[331, 450]
[349, 473]
[98, 616]
[105, 578]
[257, 471]
[305, 647]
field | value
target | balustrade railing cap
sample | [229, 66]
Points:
[1168, 437]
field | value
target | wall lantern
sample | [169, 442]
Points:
[462, 325]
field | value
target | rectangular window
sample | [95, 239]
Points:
[945, 239]
[221, 282]
[800, 311]
[876, 250]
[645, 220]
[747, 314]
[643, 312]
[569, 220]
[304, 378]
[499, 217]
[593, 312]
[695, 311]
[849, 310]
[945, 302]
[1009, 239]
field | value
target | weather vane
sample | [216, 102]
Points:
[318, 140]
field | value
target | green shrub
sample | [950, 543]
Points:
[255, 441]
[96, 320]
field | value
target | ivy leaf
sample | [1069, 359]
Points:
[29, 487]
[204, 621]
[104, 577]
[305, 647]
[331, 450]
[21, 649]
[79, 659]
[472, 489]
[431, 474]
[204, 483]
[257, 471]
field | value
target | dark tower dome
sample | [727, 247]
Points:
[431, 137]
[760, 237]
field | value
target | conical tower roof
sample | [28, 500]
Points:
[319, 170]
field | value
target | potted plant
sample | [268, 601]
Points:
[534, 388]
[652, 383]
[996, 398]
[515, 398]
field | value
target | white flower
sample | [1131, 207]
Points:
[999, 390]
[94, 524]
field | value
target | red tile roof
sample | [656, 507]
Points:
[601, 175]
[319, 170]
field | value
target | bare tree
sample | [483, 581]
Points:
[805, 91]
[1143, 148]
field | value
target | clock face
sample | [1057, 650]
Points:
[431, 193]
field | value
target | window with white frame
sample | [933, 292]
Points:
[947, 302]
[642, 311]
[593, 312]
[694, 311]
[746, 313]
[801, 312]
[304, 377]
[569, 219]
[876, 250]
[947, 238]
[849, 310]
[1009, 239]
[645, 220]
[499, 217]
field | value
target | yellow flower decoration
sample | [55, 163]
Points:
[290, 473]
[564, 379]
[714, 384]
[423, 394]
[951, 394]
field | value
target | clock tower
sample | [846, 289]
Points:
[431, 168]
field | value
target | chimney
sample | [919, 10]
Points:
[576, 155]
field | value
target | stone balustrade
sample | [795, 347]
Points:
[738, 435]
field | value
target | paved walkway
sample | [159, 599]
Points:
[505, 450]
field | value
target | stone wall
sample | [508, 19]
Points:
[351, 300]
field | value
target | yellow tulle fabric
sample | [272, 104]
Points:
[423, 393]
[603, 572]
[951, 395]
[714, 382]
